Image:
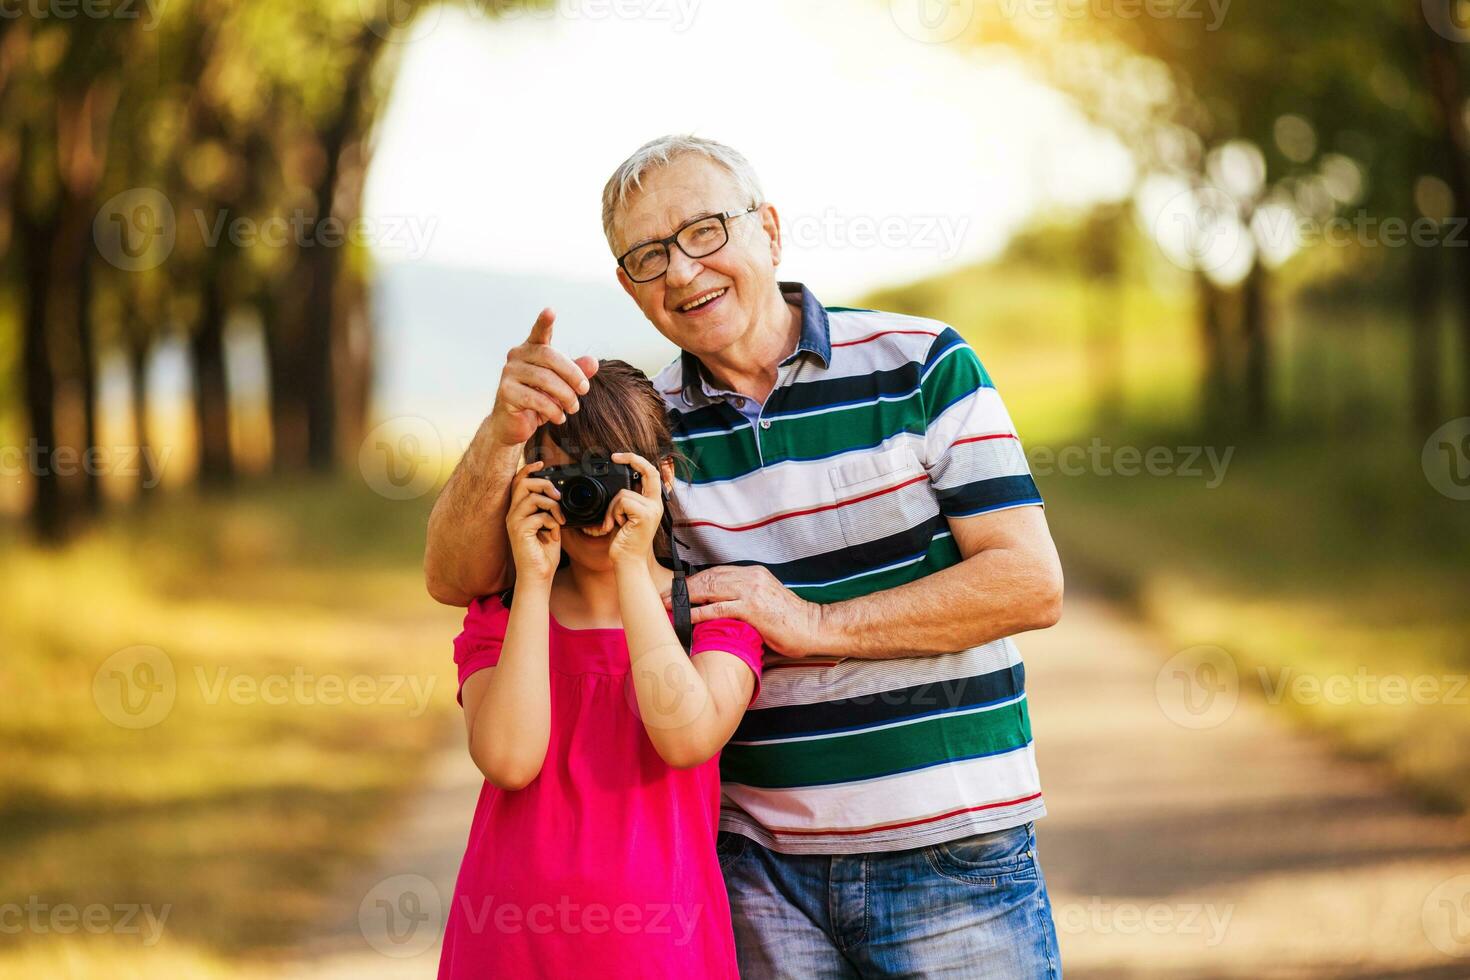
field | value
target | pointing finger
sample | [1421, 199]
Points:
[541, 329]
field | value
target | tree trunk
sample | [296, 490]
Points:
[323, 263]
[1424, 409]
[287, 397]
[211, 392]
[148, 477]
[1101, 261]
[1255, 332]
[87, 375]
[1215, 380]
[47, 514]
[1448, 96]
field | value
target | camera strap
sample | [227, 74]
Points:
[679, 590]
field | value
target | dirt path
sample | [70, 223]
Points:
[1241, 850]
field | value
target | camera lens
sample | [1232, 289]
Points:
[583, 498]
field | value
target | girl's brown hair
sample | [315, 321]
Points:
[621, 412]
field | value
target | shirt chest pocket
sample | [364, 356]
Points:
[881, 494]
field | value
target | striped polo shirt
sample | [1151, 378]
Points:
[881, 427]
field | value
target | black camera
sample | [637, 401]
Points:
[589, 486]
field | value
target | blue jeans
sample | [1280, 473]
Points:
[973, 907]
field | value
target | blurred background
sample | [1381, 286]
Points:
[260, 262]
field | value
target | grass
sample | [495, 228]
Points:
[310, 678]
[1323, 556]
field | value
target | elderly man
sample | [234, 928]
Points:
[857, 492]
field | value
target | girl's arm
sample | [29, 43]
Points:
[690, 706]
[508, 707]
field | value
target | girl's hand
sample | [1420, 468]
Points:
[534, 523]
[637, 512]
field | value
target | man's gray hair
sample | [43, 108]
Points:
[654, 154]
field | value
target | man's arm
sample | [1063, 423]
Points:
[467, 554]
[1010, 581]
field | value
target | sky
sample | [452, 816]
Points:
[890, 156]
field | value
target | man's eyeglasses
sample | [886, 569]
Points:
[696, 238]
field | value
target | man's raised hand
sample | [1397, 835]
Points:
[538, 384]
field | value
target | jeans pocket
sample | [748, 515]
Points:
[728, 847]
[989, 858]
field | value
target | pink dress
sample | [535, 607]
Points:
[605, 864]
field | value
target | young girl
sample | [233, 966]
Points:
[592, 850]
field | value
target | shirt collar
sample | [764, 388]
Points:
[815, 339]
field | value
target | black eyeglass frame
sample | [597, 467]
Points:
[673, 240]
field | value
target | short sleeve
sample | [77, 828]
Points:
[971, 449]
[478, 644]
[734, 637]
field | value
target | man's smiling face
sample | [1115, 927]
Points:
[703, 305]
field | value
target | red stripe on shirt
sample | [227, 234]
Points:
[912, 823]
[997, 435]
[803, 513]
[883, 333]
